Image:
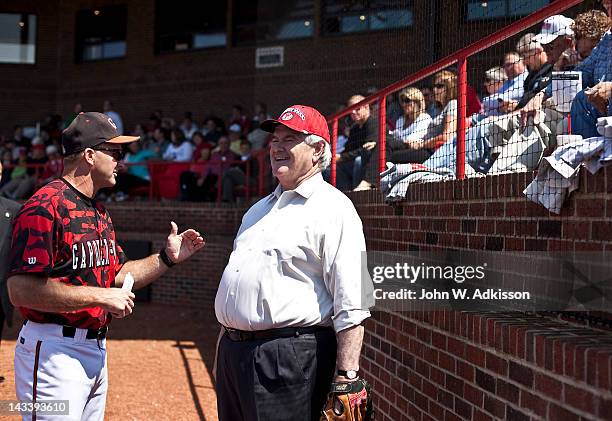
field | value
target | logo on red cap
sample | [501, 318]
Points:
[308, 121]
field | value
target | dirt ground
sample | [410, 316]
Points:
[159, 360]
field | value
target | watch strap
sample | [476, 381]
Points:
[165, 258]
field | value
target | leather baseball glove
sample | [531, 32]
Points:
[351, 401]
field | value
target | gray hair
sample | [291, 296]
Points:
[325, 158]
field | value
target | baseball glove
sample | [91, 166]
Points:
[351, 401]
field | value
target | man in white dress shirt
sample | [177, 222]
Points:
[291, 299]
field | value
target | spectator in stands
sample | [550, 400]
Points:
[19, 140]
[204, 187]
[78, 108]
[7, 164]
[588, 28]
[53, 167]
[361, 141]
[258, 137]
[202, 149]
[24, 176]
[213, 131]
[235, 137]
[511, 90]
[555, 37]
[433, 108]
[444, 127]
[180, 150]
[596, 100]
[235, 177]
[238, 117]
[161, 141]
[410, 129]
[188, 126]
[133, 175]
[260, 115]
[495, 79]
[114, 115]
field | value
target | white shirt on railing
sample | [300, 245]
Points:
[296, 262]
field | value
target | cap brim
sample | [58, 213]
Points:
[545, 38]
[269, 125]
[123, 139]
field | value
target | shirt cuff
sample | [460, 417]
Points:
[349, 318]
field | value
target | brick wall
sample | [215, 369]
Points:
[444, 365]
[448, 365]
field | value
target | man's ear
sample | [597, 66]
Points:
[318, 152]
[90, 155]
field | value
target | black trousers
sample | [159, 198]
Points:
[284, 379]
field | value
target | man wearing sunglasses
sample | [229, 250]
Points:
[67, 272]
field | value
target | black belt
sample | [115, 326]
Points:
[70, 331]
[283, 332]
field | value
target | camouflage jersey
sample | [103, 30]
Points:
[67, 237]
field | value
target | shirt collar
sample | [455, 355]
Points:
[305, 189]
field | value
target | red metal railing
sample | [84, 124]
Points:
[460, 57]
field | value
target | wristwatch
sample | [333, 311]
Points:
[165, 258]
[349, 374]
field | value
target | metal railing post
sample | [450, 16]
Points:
[334, 142]
[461, 116]
[382, 134]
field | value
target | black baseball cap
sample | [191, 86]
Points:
[89, 130]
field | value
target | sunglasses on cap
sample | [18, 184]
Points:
[116, 153]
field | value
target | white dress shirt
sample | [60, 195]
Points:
[296, 262]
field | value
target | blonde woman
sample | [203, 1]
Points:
[444, 127]
[410, 129]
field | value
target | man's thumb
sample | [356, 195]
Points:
[173, 228]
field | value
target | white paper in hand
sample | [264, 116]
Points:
[128, 282]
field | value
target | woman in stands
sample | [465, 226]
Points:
[444, 127]
[410, 129]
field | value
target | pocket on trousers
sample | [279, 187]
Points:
[277, 364]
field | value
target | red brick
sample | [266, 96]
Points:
[481, 416]
[590, 207]
[474, 395]
[496, 364]
[579, 398]
[494, 406]
[602, 231]
[534, 403]
[548, 386]
[521, 374]
[556, 412]
[465, 371]
[507, 391]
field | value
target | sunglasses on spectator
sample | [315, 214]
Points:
[439, 86]
[116, 154]
[407, 101]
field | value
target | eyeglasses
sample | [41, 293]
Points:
[439, 86]
[407, 101]
[116, 153]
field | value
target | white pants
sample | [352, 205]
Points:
[51, 367]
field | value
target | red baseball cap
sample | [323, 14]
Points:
[300, 118]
